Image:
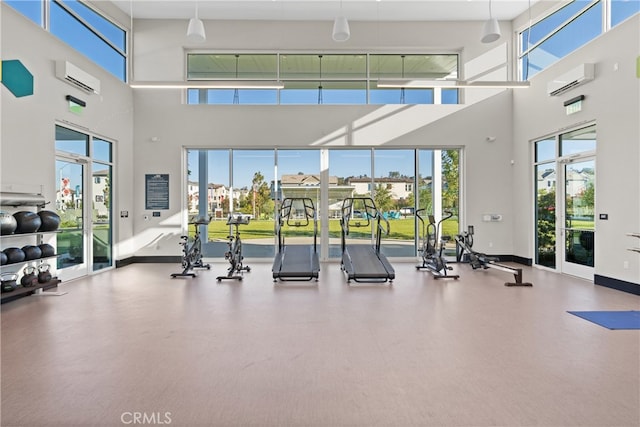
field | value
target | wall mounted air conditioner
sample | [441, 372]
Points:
[77, 77]
[576, 77]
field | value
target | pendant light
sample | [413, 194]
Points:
[195, 30]
[320, 83]
[341, 32]
[402, 99]
[491, 29]
[236, 93]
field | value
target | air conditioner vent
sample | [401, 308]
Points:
[576, 77]
[77, 77]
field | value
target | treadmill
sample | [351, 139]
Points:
[296, 262]
[364, 262]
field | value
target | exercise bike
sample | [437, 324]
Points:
[234, 254]
[192, 253]
[432, 256]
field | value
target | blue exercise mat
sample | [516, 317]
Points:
[611, 319]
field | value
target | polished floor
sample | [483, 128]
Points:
[132, 346]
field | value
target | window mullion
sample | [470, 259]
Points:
[91, 28]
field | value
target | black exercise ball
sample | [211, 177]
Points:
[8, 223]
[47, 250]
[50, 221]
[14, 255]
[3, 258]
[31, 252]
[28, 222]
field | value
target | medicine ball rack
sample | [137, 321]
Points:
[37, 201]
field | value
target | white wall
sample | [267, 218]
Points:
[160, 55]
[28, 123]
[613, 102]
[160, 45]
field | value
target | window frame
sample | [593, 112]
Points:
[315, 81]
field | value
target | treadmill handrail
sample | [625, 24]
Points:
[285, 212]
[371, 213]
[380, 229]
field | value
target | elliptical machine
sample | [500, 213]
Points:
[192, 253]
[432, 255]
[234, 254]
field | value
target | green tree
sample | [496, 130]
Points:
[410, 201]
[382, 198]
[259, 201]
[588, 195]
[107, 192]
[450, 180]
[546, 227]
[425, 196]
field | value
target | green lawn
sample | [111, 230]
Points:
[401, 229]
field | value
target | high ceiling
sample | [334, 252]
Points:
[327, 10]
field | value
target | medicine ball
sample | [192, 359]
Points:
[50, 221]
[8, 223]
[14, 255]
[3, 258]
[47, 250]
[31, 252]
[28, 222]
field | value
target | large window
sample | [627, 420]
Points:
[567, 29]
[320, 78]
[623, 9]
[545, 202]
[82, 28]
[31, 9]
[255, 181]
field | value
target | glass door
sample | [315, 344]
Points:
[72, 238]
[577, 201]
[578, 223]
